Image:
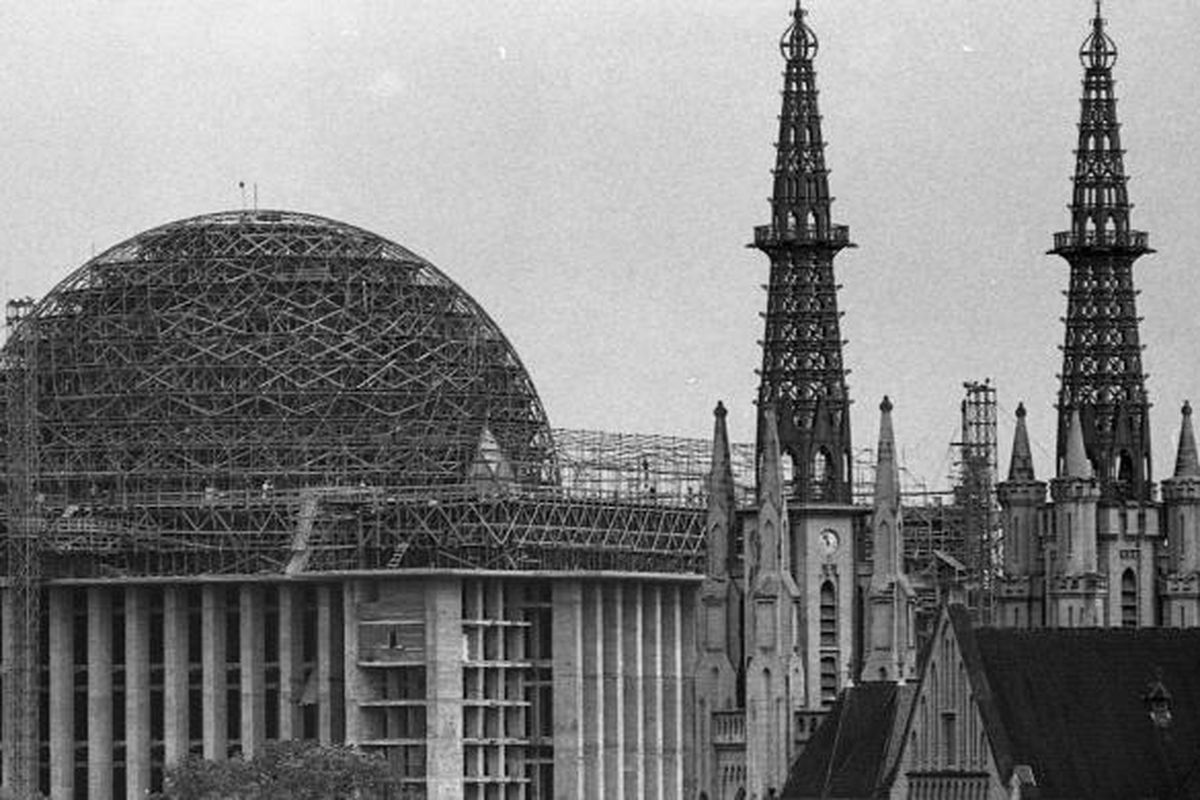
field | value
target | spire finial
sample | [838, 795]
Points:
[1187, 462]
[798, 40]
[1098, 51]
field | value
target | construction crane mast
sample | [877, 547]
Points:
[22, 556]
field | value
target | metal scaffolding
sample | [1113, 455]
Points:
[261, 392]
[22, 552]
[975, 494]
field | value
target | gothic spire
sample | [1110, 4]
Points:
[1187, 465]
[887, 474]
[1102, 378]
[722, 506]
[1020, 468]
[802, 373]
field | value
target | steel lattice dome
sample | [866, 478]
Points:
[270, 349]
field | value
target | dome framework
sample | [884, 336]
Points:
[265, 392]
[246, 349]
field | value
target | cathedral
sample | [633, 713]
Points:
[807, 632]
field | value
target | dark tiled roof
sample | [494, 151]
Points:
[847, 756]
[1069, 703]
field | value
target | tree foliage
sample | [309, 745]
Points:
[303, 770]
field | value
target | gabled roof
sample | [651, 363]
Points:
[1070, 704]
[852, 753]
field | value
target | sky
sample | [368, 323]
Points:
[591, 172]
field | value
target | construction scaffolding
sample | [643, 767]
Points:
[260, 392]
[975, 495]
[22, 546]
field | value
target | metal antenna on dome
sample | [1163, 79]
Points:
[242, 186]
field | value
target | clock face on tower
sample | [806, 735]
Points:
[829, 542]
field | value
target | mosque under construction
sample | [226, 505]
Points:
[269, 476]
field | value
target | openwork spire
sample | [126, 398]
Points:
[802, 373]
[1102, 378]
[1100, 203]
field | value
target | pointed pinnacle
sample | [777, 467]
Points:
[1020, 467]
[1187, 464]
[887, 475]
[1077, 463]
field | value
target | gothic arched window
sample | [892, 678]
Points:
[1129, 599]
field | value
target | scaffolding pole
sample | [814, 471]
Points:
[22, 556]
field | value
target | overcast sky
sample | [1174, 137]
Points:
[591, 171]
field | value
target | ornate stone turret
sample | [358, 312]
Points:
[802, 372]
[1019, 591]
[1077, 589]
[891, 638]
[774, 671]
[1102, 377]
[718, 628]
[1181, 502]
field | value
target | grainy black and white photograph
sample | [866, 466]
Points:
[710, 400]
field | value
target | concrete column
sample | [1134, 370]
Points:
[593, 690]
[686, 611]
[137, 692]
[443, 644]
[325, 624]
[291, 684]
[175, 674]
[62, 693]
[354, 733]
[635, 731]
[6, 723]
[214, 676]
[567, 666]
[252, 649]
[100, 694]
[614, 647]
[673, 707]
[652, 709]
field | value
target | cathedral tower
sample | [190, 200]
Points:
[1102, 375]
[1103, 391]
[1019, 590]
[803, 384]
[802, 373]
[799, 545]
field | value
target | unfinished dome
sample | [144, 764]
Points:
[254, 351]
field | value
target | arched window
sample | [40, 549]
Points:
[1129, 599]
[829, 681]
[787, 472]
[829, 615]
[1125, 467]
[883, 559]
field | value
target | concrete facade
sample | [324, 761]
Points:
[476, 687]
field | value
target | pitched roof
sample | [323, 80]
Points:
[852, 753]
[1070, 704]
